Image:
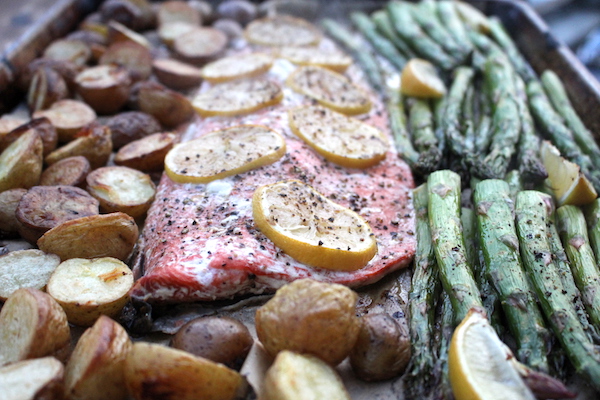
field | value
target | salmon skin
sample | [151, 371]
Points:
[200, 242]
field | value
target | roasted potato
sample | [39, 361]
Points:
[87, 289]
[146, 154]
[221, 339]
[121, 189]
[44, 207]
[105, 88]
[74, 51]
[70, 171]
[21, 162]
[47, 87]
[313, 317]
[95, 370]
[178, 11]
[25, 269]
[33, 324]
[176, 74]
[131, 125]
[8, 123]
[232, 29]
[129, 13]
[104, 235]
[302, 376]
[94, 142]
[153, 371]
[118, 32]
[68, 117]
[135, 58]
[44, 129]
[200, 45]
[37, 379]
[241, 11]
[9, 200]
[170, 108]
[67, 69]
[382, 350]
[172, 30]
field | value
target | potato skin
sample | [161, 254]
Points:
[307, 316]
[131, 125]
[146, 154]
[21, 162]
[70, 171]
[382, 350]
[9, 200]
[221, 339]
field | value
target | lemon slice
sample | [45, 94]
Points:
[565, 179]
[420, 79]
[479, 366]
[329, 88]
[236, 67]
[334, 60]
[282, 30]
[224, 153]
[311, 228]
[237, 97]
[343, 140]
[472, 16]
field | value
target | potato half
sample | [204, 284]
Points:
[25, 268]
[21, 162]
[38, 379]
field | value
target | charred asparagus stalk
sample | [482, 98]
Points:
[592, 218]
[409, 30]
[384, 25]
[532, 210]
[503, 265]
[463, 76]
[573, 233]
[444, 219]
[380, 43]
[420, 118]
[400, 133]
[505, 41]
[422, 300]
[558, 96]
[515, 183]
[449, 16]
[447, 323]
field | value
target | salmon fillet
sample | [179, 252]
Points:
[200, 242]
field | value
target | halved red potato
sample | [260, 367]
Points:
[178, 11]
[131, 125]
[68, 117]
[29, 268]
[132, 56]
[168, 32]
[71, 50]
[93, 142]
[42, 126]
[47, 87]
[37, 379]
[169, 107]
[9, 200]
[68, 171]
[146, 154]
[176, 74]
[105, 88]
[9, 122]
[118, 32]
[200, 45]
[21, 162]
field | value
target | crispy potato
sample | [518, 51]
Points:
[121, 189]
[71, 50]
[32, 325]
[200, 45]
[146, 154]
[307, 316]
[47, 87]
[88, 37]
[94, 143]
[135, 58]
[21, 162]
[10, 122]
[241, 11]
[178, 11]
[382, 350]
[153, 370]
[95, 23]
[29, 268]
[176, 74]
[38, 379]
[9, 200]
[105, 88]
[70, 171]
[118, 32]
[170, 31]
[125, 12]
[87, 289]
[67, 69]
[44, 129]
[68, 117]
[44, 207]
[229, 27]
[221, 339]
[131, 125]
[302, 376]
[104, 235]
[95, 369]
[167, 106]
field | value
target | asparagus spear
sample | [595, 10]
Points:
[503, 265]
[420, 117]
[592, 218]
[561, 136]
[559, 98]
[380, 43]
[384, 25]
[400, 133]
[408, 29]
[532, 211]
[463, 76]
[444, 219]
[531, 167]
[515, 183]
[449, 16]
[365, 58]
[422, 299]
[443, 389]
[505, 41]
[468, 117]
[573, 233]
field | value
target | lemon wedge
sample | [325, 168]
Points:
[343, 140]
[237, 67]
[282, 30]
[311, 228]
[419, 78]
[329, 88]
[224, 153]
[237, 97]
[565, 179]
[479, 364]
[334, 60]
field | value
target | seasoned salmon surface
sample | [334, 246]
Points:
[200, 242]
